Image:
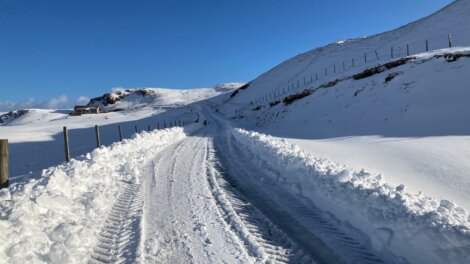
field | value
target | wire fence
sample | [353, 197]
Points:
[28, 159]
[317, 70]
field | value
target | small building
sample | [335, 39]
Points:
[85, 109]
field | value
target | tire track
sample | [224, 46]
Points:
[164, 171]
[296, 215]
[180, 223]
[345, 242]
[119, 238]
[264, 240]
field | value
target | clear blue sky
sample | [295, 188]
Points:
[86, 47]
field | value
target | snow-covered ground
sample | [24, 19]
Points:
[367, 163]
[39, 131]
[415, 226]
[436, 166]
[221, 194]
[406, 121]
[54, 219]
[412, 129]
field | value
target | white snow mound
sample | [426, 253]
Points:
[56, 219]
[415, 226]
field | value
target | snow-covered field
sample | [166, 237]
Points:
[367, 163]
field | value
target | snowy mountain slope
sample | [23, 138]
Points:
[406, 122]
[402, 119]
[414, 122]
[311, 65]
[423, 97]
[6, 118]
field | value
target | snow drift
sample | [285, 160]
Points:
[415, 226]
[55, 219]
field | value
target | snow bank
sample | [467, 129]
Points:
[55, 219]
[415, 226]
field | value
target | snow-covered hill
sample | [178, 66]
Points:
[145, 97]
[403, 118]
[400, 119]
[6, 118]
[308, 69]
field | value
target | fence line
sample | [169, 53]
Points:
[351, 65]
[120, 137]
[30, 156]
[4, 171]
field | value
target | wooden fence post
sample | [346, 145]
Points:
[365, 57]
[135, 128]
[120, 133]
[407, 50]
[427, 46]
[4, 170]
[66, 144]
[391, 52]
[353, 64]
[334, 68]
[97, 132]
[377, 55]
[449, 38]
[158, 126]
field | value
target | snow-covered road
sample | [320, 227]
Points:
[198, 201]
[215, 194]
[181, 223]
[190, 214]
